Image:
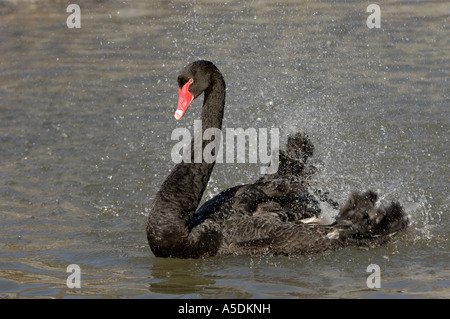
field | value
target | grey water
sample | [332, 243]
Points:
[86, 116]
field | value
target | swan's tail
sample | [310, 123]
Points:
[361, 223]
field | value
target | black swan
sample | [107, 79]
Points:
[276, 215]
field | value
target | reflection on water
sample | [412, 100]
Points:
[178, 277]
[86, 116]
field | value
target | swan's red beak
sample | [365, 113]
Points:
[184, 99]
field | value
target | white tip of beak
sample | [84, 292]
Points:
[178, 114]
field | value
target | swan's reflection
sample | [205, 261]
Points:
[197, 277]
[179, 276]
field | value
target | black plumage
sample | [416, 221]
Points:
[271, 216]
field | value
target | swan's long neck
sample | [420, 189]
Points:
[181, 192]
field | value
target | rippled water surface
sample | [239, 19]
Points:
[86, 117]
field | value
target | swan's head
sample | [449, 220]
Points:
[192, 81]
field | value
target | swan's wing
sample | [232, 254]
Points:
[283, 198]
[213, 205]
